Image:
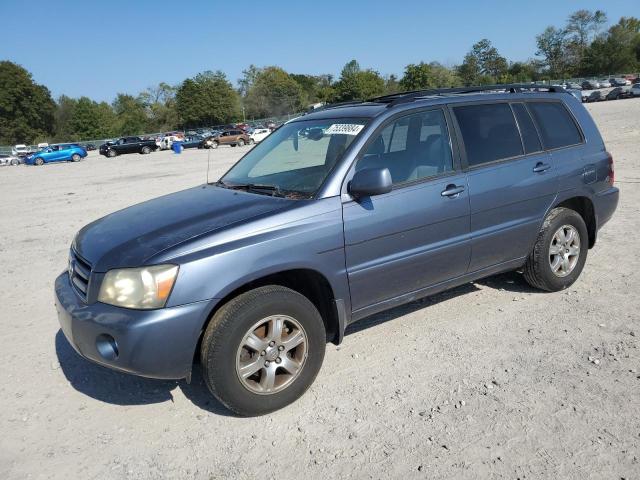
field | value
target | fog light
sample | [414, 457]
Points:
[107, 346]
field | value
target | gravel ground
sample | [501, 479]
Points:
[492, 379]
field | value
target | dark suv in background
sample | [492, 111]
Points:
[337, 215]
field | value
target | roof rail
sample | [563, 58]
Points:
[404, 97]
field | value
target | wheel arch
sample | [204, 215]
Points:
[306, 281]
[584, 207]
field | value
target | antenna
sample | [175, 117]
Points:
[208, 163]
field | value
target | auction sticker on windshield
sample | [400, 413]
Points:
[344, 129]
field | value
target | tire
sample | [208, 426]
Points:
[548, 249]
[76, 157]
[233, 144]
[251, 141]
[215, 145]
[112, 153]
[15, 162]
[224, 351]
[241, 143]
[145, 150]
[39, 162]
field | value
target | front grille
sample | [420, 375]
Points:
[79, 273]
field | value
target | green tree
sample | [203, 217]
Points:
[207, 99]
[26, 108]
[582, 26]
[428, 75]
[358, 84]
[274, 92]
[160, 107]
[552, 47]
[131, 117]
[483, 65]
[391, 84]
[615, 52]
[65, 107]
[91, 120]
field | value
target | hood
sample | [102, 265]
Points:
[129, 237]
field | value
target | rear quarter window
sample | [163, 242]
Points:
[489, 132]
[557, 126]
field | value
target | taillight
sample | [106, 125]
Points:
[611, 176]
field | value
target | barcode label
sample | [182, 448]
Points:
[344, 129]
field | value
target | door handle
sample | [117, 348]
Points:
[452, 190]
[541, 167]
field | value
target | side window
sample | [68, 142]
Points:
[527, 129]
[489, 132]
[557, 127]
[412, 147]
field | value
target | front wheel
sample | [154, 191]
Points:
[241, 143]
[39, 161]
[111, 153]
[15, 162]
[251, 141]
[76, 157]
[559, 253]
[146, 150]
[262, 350]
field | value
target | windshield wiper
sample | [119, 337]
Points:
[260, 188]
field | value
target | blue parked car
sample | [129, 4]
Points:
[337, 215]
[67, 152]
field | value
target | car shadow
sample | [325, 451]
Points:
[512, 282]
[118, 388]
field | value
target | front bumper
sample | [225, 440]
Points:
[150, 343]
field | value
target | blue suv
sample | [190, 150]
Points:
[337, 215]
[57, 153]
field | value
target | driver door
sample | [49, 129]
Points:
[416, 236]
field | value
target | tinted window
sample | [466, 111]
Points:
[411, 147]
[556, 124]
[489, 132]
[527, 129]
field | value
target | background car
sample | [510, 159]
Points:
[57, 153]
[20, 150]
[89, 147]
[6, 159]
[572, 86]
[232, 138]
[635, 90]
[259, 134]
[618, 93]
[619, 82]
[604, 83]
[191, 141]
[595, 96]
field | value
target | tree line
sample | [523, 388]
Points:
[29, 114]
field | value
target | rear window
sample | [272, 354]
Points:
[557, 127]
[527, 129]
[489, 132]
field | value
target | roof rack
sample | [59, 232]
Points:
[404, 97]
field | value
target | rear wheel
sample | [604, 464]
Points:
[251, 141]
[559, 253]
[76, 157]
[241, 143]
[215, 145]
[15, 162]
[262, 350]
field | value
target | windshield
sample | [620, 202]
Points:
[294, 160]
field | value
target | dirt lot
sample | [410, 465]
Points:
[492, 379]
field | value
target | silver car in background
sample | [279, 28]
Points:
[6, 159]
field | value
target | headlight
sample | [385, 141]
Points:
[141, 288]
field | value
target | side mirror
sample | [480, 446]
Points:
[370, 181]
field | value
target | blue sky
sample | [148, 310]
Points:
[101, 48]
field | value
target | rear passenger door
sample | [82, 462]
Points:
[417, 235]
[512, 180]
